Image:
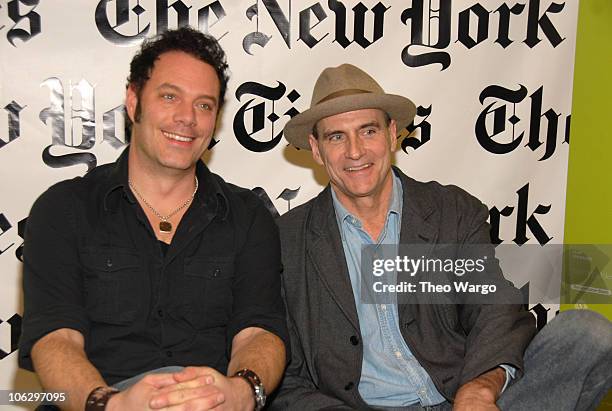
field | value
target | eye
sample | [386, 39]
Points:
[204, 106]
[168, 96]
[370, 131]
[334, 138]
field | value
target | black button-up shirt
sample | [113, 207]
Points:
[92, 263]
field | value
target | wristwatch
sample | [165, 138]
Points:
[258, 389]
[98, 398]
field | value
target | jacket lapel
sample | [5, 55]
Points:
[418, 211]
[324, 246]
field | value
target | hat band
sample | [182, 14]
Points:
[342, 93]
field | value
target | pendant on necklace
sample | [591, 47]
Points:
[165, 227]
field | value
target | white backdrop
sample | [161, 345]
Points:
[485, 76]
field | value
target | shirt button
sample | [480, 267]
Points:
[349, 386]
[383, 307]
[160, 313]
[217, 272]
[354, 340]
[168, 353]
[398, 354]
[422, 392]
[109, 262]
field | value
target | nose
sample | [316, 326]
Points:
[355, 149]
[185, 114]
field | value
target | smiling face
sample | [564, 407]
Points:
[356, 148]
[178, 111]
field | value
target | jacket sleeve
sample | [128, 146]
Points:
[497, 333]
[297, 390]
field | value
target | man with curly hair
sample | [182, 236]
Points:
[152, 283]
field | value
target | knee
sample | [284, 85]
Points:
[585, 330]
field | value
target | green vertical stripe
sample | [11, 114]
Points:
[588, 216]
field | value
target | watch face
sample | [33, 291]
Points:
[258, 388]
[259, 394]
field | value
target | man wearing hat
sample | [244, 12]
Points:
[347, 354]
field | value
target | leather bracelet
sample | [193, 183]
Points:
[98, 398]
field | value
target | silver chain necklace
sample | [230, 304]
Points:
[165, 226]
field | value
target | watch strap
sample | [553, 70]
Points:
[98, 398]
[255, 382]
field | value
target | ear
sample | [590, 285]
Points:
[314, 146]
[393, 134]
[131, 101]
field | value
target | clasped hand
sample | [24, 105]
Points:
[192, 389]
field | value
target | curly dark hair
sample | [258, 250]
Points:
[186, 39]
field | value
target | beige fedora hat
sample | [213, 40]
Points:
[342, 89]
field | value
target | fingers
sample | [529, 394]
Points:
[194, 383]
[199, 398]
[190, 373]
[159, 380]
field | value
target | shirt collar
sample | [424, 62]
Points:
[209, 194]
[397, 198]
[343, 215]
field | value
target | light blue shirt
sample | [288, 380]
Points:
[391, 376]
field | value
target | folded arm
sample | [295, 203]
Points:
[60, 361]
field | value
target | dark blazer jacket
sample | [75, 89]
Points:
[454, 343]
